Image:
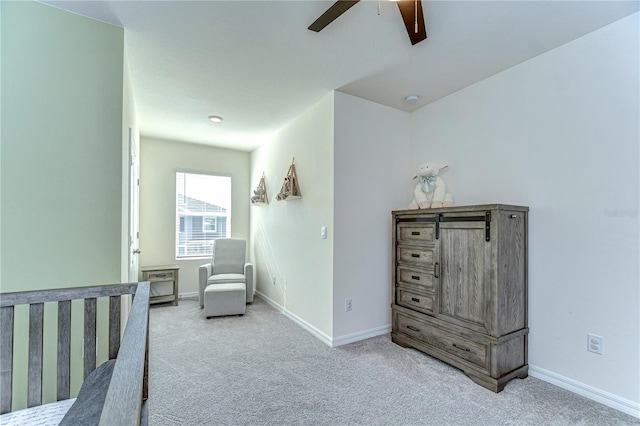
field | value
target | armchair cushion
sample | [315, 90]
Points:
[229, 256]
[226, 278]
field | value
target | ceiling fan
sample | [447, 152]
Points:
[411, 11]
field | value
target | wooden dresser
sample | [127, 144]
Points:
[460, 288]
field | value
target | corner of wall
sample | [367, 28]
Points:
[293, 264]
[371, 158]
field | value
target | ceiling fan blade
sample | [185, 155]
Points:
[338, 8]
[408, 12]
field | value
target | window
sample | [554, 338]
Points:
[209, 224]
[203, 213]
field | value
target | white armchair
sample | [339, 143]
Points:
[227, 266]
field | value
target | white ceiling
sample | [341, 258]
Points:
[256, 64]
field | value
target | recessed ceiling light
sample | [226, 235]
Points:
[411, 99]
[215, 118]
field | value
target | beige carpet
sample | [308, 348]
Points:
[263, 369]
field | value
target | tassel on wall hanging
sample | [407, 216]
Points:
[290, 188]
[260, 197]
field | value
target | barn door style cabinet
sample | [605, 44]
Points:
[460, 288]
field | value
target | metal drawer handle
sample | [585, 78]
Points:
[514, 216]
[415, 277]
[415, 299]
[415, 255]
[412, 328]
[415, 233]
[436, 270]
[461, 348]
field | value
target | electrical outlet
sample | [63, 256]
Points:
[595, 344]
[348, 304]
[273, 281]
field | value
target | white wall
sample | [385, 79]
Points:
[159, 161]
[286, 241]
[349, 171]
[559, 133]
[372, 166]
[62, 100]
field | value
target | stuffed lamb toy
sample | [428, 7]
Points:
[431, 191]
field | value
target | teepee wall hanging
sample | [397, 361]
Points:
[290, 188]
[260, 197]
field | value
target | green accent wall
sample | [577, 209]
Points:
[61, 148]
[61, 158]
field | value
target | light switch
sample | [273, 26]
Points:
[323, 232]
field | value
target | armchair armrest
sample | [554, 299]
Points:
[204, 272]
[250, 278]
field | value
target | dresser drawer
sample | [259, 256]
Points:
[410, 275]
[473, 352]
[418, 255]
[159, 276]
[413, 300]
[416, 232]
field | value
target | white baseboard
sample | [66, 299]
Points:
[361, 335]
[271, 302]
[311, 329]
[327, 340]
[595, 394]
[606, 398]
[302, 323]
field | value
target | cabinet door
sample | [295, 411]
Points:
[463, 258]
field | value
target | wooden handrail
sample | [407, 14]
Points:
[123, 403]
[72, 293]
